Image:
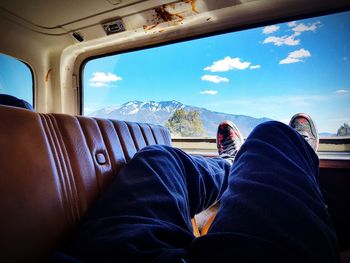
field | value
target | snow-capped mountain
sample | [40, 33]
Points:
[160, 112]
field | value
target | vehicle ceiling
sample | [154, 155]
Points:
[57, 20]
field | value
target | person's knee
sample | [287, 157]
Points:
[155, 148]
[271, 127]
[151, 151]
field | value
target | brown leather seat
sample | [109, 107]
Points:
[53, 166]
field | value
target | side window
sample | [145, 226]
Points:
[248, 77]
[16, 78]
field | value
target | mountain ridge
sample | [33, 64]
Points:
[159, 112]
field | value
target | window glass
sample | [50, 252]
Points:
[248, 77]
[16, 78]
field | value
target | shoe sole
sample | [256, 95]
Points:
[310, 121]
[234, 127]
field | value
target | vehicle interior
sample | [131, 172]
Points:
[58, 156]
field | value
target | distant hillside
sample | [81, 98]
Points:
[159, 113]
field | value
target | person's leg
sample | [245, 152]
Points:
[273, 210]
[146, 213]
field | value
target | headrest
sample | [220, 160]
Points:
[15, 102]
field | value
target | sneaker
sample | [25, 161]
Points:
[305, 126]
[228, 140]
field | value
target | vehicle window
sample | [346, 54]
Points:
[248, 77]
[16, 78]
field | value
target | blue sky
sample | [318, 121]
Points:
[15, 78]
[274, 71]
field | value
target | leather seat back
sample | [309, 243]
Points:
[53, 167]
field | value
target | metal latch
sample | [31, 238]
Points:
[114, 26]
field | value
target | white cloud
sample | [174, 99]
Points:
[296, 56]
[209, 92]
[301, 53]
[227, 64]
[284, 40]
[290, 40]
[104, 77]
[214, 78]
[289, 60]
[292, 24]
[101, 79]
[254, 67]
[342, 91]
[303, 28]
[270, 29]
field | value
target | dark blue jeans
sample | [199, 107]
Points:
[271, 208]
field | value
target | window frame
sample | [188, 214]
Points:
[323, 140]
